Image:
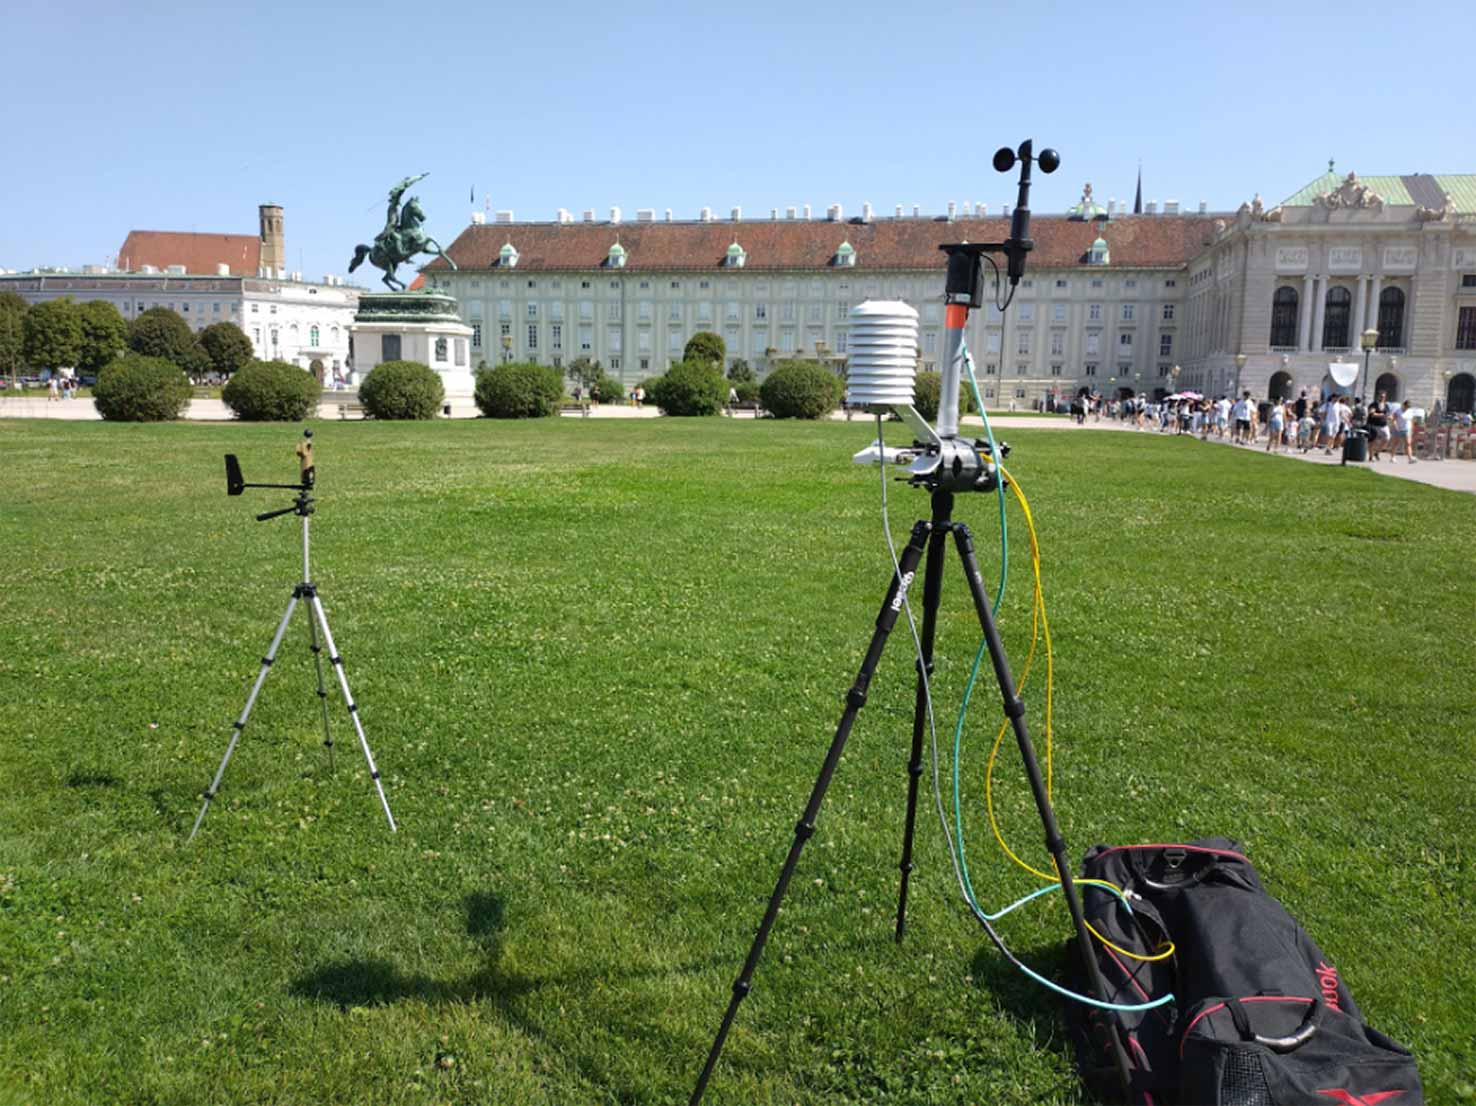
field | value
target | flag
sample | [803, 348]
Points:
[473, 200]
[1138, 200]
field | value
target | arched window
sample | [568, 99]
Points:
[1335, 318]
[1284, 317]
[313, 336]
[1391, 318]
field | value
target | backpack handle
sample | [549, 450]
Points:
[1304, 1032]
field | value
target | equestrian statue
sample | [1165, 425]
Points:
[401, 239]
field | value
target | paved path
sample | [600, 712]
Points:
[1452, 474]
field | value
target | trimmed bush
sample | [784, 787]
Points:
[608, 389]
[519, 390]
[799, 390]
[929, 387]
[706, 348]
[135, 388]
[402, 390]
[272, 391]
[689, 388]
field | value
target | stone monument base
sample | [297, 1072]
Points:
[413, 326]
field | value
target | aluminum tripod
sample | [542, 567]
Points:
[317, 619]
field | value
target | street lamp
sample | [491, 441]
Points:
[1369, 339]
[1240, 360]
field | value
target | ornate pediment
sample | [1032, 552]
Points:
[1437, 214]
[1350, 194]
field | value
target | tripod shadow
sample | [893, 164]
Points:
[376, 981]
[1024, 999]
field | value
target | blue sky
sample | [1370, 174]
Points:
[174, 116]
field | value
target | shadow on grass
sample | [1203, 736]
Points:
[368, 982]
[1024, 999]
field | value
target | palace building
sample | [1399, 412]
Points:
[212, 278]
[1118, 303]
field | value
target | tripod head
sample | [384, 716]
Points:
[307, 471]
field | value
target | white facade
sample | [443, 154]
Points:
[1110, 328]
[287, 320]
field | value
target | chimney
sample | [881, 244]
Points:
[273, 243]
[1004, 210]
[790, 212]
[1203, 205]
[705, 215]
[478, 218]
[899, 211]
[807, 211]
[981, 210]
[504, 217]
[645, 214]
[1150, 208]
[589, 215]
[615, 215]
[952, 210]
[866, 213]
[1170, 207]
[668, 214]
[916, 210]
[773, 214]
[737, 214]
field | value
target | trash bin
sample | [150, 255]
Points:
[1355, 446]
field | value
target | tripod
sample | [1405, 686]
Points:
[302, 506]
[930, 536]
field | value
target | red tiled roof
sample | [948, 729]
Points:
[198, 253]
[1134, 241]
[416, 284]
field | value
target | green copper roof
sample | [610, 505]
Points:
[734, 249]
[617, 250]
[1100, 244]
[845, 247]
[1410, 189]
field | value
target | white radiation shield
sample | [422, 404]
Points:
[1343, 372]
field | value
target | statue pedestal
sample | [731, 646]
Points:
[413, 326]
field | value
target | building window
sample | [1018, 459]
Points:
[532, 335]
[1391, 318]
[255, 308]
[1097, 282]
[786, 312]
[1058, 313]
[272, 309]
[584, 284]
[704, 312]
[704, 284]
[1027, 312]
[1023, 341]
[1125, 339]
[586, 308]
[1127, 312]
[256, 334]
[645, 364]
[760, 311]
[1063, 284]
[1170, 283]
[1058, 343]
[731, 312]
[556, 336]
[556, 310]
[504, 329]
[1284, 317]
[674, 312]
[643, 311]
[615, 364]
[1055, 370]
[1130, 284]
[476, 335]
[313, 336]
[504, 309]
[612, 311]
[1168, 312]
[990, 368]
[1094, 313]
[1091, 369]
[586, 338]
[1094, 340]
[991, 343]
[930, 342]
[1335, 318]
[1165, 345]
[1466, 329]
[532, 311]
[841, 341]
[842, 310]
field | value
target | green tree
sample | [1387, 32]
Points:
[800, 390]
[402, 390]
[739, 372]
[586, 373]
[227, 347]
[12, 333]
[705, 348]
[519, 390]
[160, 332]
[53, 335]
[104, 334]
[135, 388]
[690, 388]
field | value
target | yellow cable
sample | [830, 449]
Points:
[1040, 628]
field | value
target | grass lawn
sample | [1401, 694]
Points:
[599, 662]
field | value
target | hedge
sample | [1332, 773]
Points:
[135, 388]
[402, 390]
[800, 390]
[689, 388]
[272, 391]
[519, 390]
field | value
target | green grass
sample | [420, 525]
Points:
[599, 663]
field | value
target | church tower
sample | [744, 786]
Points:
[273, 243]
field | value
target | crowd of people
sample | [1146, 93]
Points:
[1284, 425]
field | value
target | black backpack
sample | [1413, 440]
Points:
[1261, 1016]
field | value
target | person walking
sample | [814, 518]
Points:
[1275, 425]
[1241, 412]
[1332, 424]
[1379, 436]
[640, 394]
[53, 393]
[1402, 418]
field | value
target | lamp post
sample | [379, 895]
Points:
[1368, 340]
[1240, 360]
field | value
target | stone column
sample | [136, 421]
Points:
[1373, 301]
[1319, 302]
[1305, 344]
[1358, 302]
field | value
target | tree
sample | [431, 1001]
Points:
[104, 335]
[800, 390]
[141, 389]
[585, 372]
[53, 335]
[12, 333]
[690, 388]
[227, 347]
[519, 390]
[705, 348]
[159, 332]
[739, 372]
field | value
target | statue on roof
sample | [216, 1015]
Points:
[1350, 194]
[402, 238]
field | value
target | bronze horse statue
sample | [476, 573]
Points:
[401, 239]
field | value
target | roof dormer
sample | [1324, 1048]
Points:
[616, 259]
[845, 256]
[736, 258]
[1099, 254]
[507, 257]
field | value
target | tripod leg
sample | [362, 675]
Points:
[1015, 710]
[240, 723]
[322, 691]
[353, 707]
[855, 700]
[932, 593]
